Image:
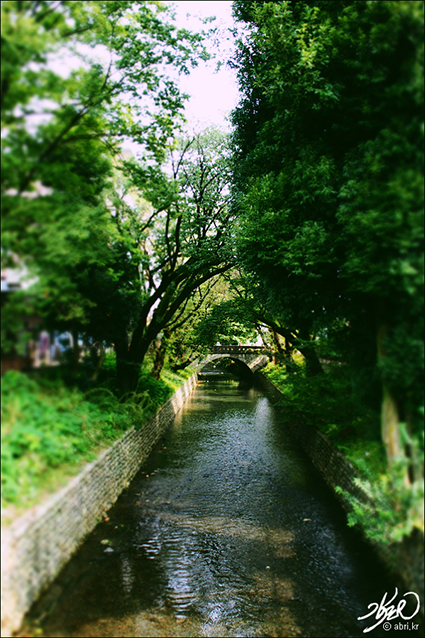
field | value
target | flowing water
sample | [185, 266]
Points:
[227, 531]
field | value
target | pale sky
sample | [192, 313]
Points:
[214, 94]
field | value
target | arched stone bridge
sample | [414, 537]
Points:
[253, 357]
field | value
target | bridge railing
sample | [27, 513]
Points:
[235, 349]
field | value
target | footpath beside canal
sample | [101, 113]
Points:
[37, 545]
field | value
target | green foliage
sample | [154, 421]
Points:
[187, 243]
[109, 362]
[174, 380]
[226, 322]
[157, 391]
[50, 429]
[328, 402]
[63, 211]
[328, 180]
[213, 313]
[108, 239]
[46, 425]
[195, 202]
[392, 508]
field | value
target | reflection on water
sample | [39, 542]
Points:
[227, 531]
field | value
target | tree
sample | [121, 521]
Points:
[122, 90]
[329, 180]
[179, 339]
[62, 134]
[238, 315]
[188, 240]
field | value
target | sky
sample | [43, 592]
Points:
[213, 93]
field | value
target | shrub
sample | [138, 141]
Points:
[50, 426]
[395, 506]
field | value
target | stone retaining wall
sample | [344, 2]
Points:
[406, 559]
[335, 468]
[38, 544]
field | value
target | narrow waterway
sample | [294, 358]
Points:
[227, 531]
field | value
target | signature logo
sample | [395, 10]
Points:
[384, 611]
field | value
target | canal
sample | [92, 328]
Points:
[228, 530]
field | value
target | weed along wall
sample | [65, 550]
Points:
[38, 544]
[406, 559]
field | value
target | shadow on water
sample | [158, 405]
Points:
[226, 531]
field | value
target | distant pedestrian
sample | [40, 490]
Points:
[44, 344]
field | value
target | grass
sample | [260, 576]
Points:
[328, 402]
[51, 427]
[174, 380]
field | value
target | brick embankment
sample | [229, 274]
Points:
[406, 559]
[38, 544]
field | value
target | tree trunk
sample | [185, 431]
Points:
[390, 420]
[127, 371]
[100, 359]
[75, 351]
[313, 365]
[416, 466]
[130, 358]
[158, 363]
[288, 356]
[281, 354]
[178, 355]
[303, 343]
[127, 375]
[390, 416]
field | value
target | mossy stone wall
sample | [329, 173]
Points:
[39, 543]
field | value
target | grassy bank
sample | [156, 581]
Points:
[330, 403]
[54, 423]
